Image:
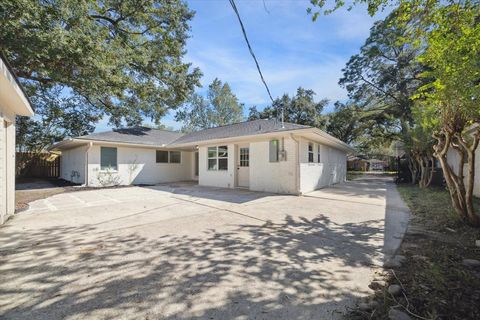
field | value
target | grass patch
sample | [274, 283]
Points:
[432, 208]
[351, 175]
[437, 284]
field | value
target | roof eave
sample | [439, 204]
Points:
[336, 141]
[71, 142]
[19, 103]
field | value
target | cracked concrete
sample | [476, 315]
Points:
[181, 251]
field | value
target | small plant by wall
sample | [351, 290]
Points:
[132, 168]
[108, 178]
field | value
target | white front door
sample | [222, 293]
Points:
[243, 166]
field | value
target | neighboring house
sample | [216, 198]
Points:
[376, 165]
[260, 155]
[453, 159]
[355, 163]
[13, 102]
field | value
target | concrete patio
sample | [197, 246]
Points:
[181, 251]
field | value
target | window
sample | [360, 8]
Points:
[108, 158]
[273, 151]
[169, 156]
[217, 158]
[310, 152]
[175, 157]
[162, 156]
[318, 153]
[244, 157]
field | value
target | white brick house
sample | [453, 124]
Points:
[259, 155]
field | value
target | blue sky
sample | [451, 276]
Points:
[292, 50]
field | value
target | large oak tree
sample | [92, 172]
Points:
[115, 58]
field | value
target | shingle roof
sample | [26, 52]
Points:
[157, 137]
[237, 130]
[136, 135]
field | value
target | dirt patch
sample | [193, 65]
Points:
[31, 189]
[23, 197]
[435, 282]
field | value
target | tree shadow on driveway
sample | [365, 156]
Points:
[298, 269]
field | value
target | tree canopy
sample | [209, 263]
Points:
[450, 99]
[301, 109]
[220, 107]
[384, 75]
[344, 122]
[121, 59]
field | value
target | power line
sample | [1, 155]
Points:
[234, 7]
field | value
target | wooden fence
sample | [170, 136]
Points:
[37, 165]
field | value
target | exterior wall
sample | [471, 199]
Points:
[138, 166]
[72, 165]
[217, 178]
[453, 159]
[331, 169]
[281, 176]
[7, 163]
[276, 177]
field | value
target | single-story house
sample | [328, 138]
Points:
[355, 163]
[13, 102]
[259, 155]
[376, 165]
[453, 160]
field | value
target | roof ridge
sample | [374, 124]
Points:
[247, 121]
[145, 127]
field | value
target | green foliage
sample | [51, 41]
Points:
[122, 59]
[300, 109]
[384, 75]
[344, 122]
[56, 117]
[450, 101]
[220, 107]
[326, 7]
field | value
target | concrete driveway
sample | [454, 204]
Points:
[188, 252]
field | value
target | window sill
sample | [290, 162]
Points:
[168, 163]
[107, 171]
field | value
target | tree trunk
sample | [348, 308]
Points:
[412, 166]
[430, 160]
[452, 189]
[426, 172]
[421, 164]
[473, 217]
[462, 197]
[453, 184]
[470, 147]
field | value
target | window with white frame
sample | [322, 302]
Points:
[244, 157]
[217, 158]
[318, 153]
[310, 152]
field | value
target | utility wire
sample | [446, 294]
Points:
[234, 7]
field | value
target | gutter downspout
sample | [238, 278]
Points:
[90, 144]
[297, 166]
